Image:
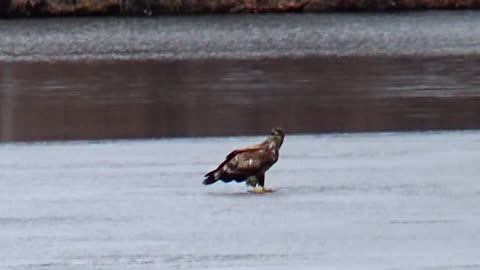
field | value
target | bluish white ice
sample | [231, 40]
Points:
[359, 201]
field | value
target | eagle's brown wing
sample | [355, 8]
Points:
[233, 154]
[240, 164]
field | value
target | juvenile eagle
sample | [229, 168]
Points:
[249, 163]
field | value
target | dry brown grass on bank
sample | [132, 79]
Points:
[155, 7]
[375, 5]
[61, 7]
[146, 7]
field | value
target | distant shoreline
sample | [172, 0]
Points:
[47, 8]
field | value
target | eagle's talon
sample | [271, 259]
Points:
[260, 190]
[257, 191]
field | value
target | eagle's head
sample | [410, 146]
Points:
[278, 132]
[277, 137]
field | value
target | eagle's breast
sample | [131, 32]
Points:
[273, 151]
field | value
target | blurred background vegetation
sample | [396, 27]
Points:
[156, 7]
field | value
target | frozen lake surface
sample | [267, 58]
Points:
[362, 201]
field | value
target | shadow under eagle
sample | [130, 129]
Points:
[250, 163]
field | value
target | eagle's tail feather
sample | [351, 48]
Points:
[209, 180]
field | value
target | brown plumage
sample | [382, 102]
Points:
[249, 163]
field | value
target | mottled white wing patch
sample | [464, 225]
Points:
[244, 162]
